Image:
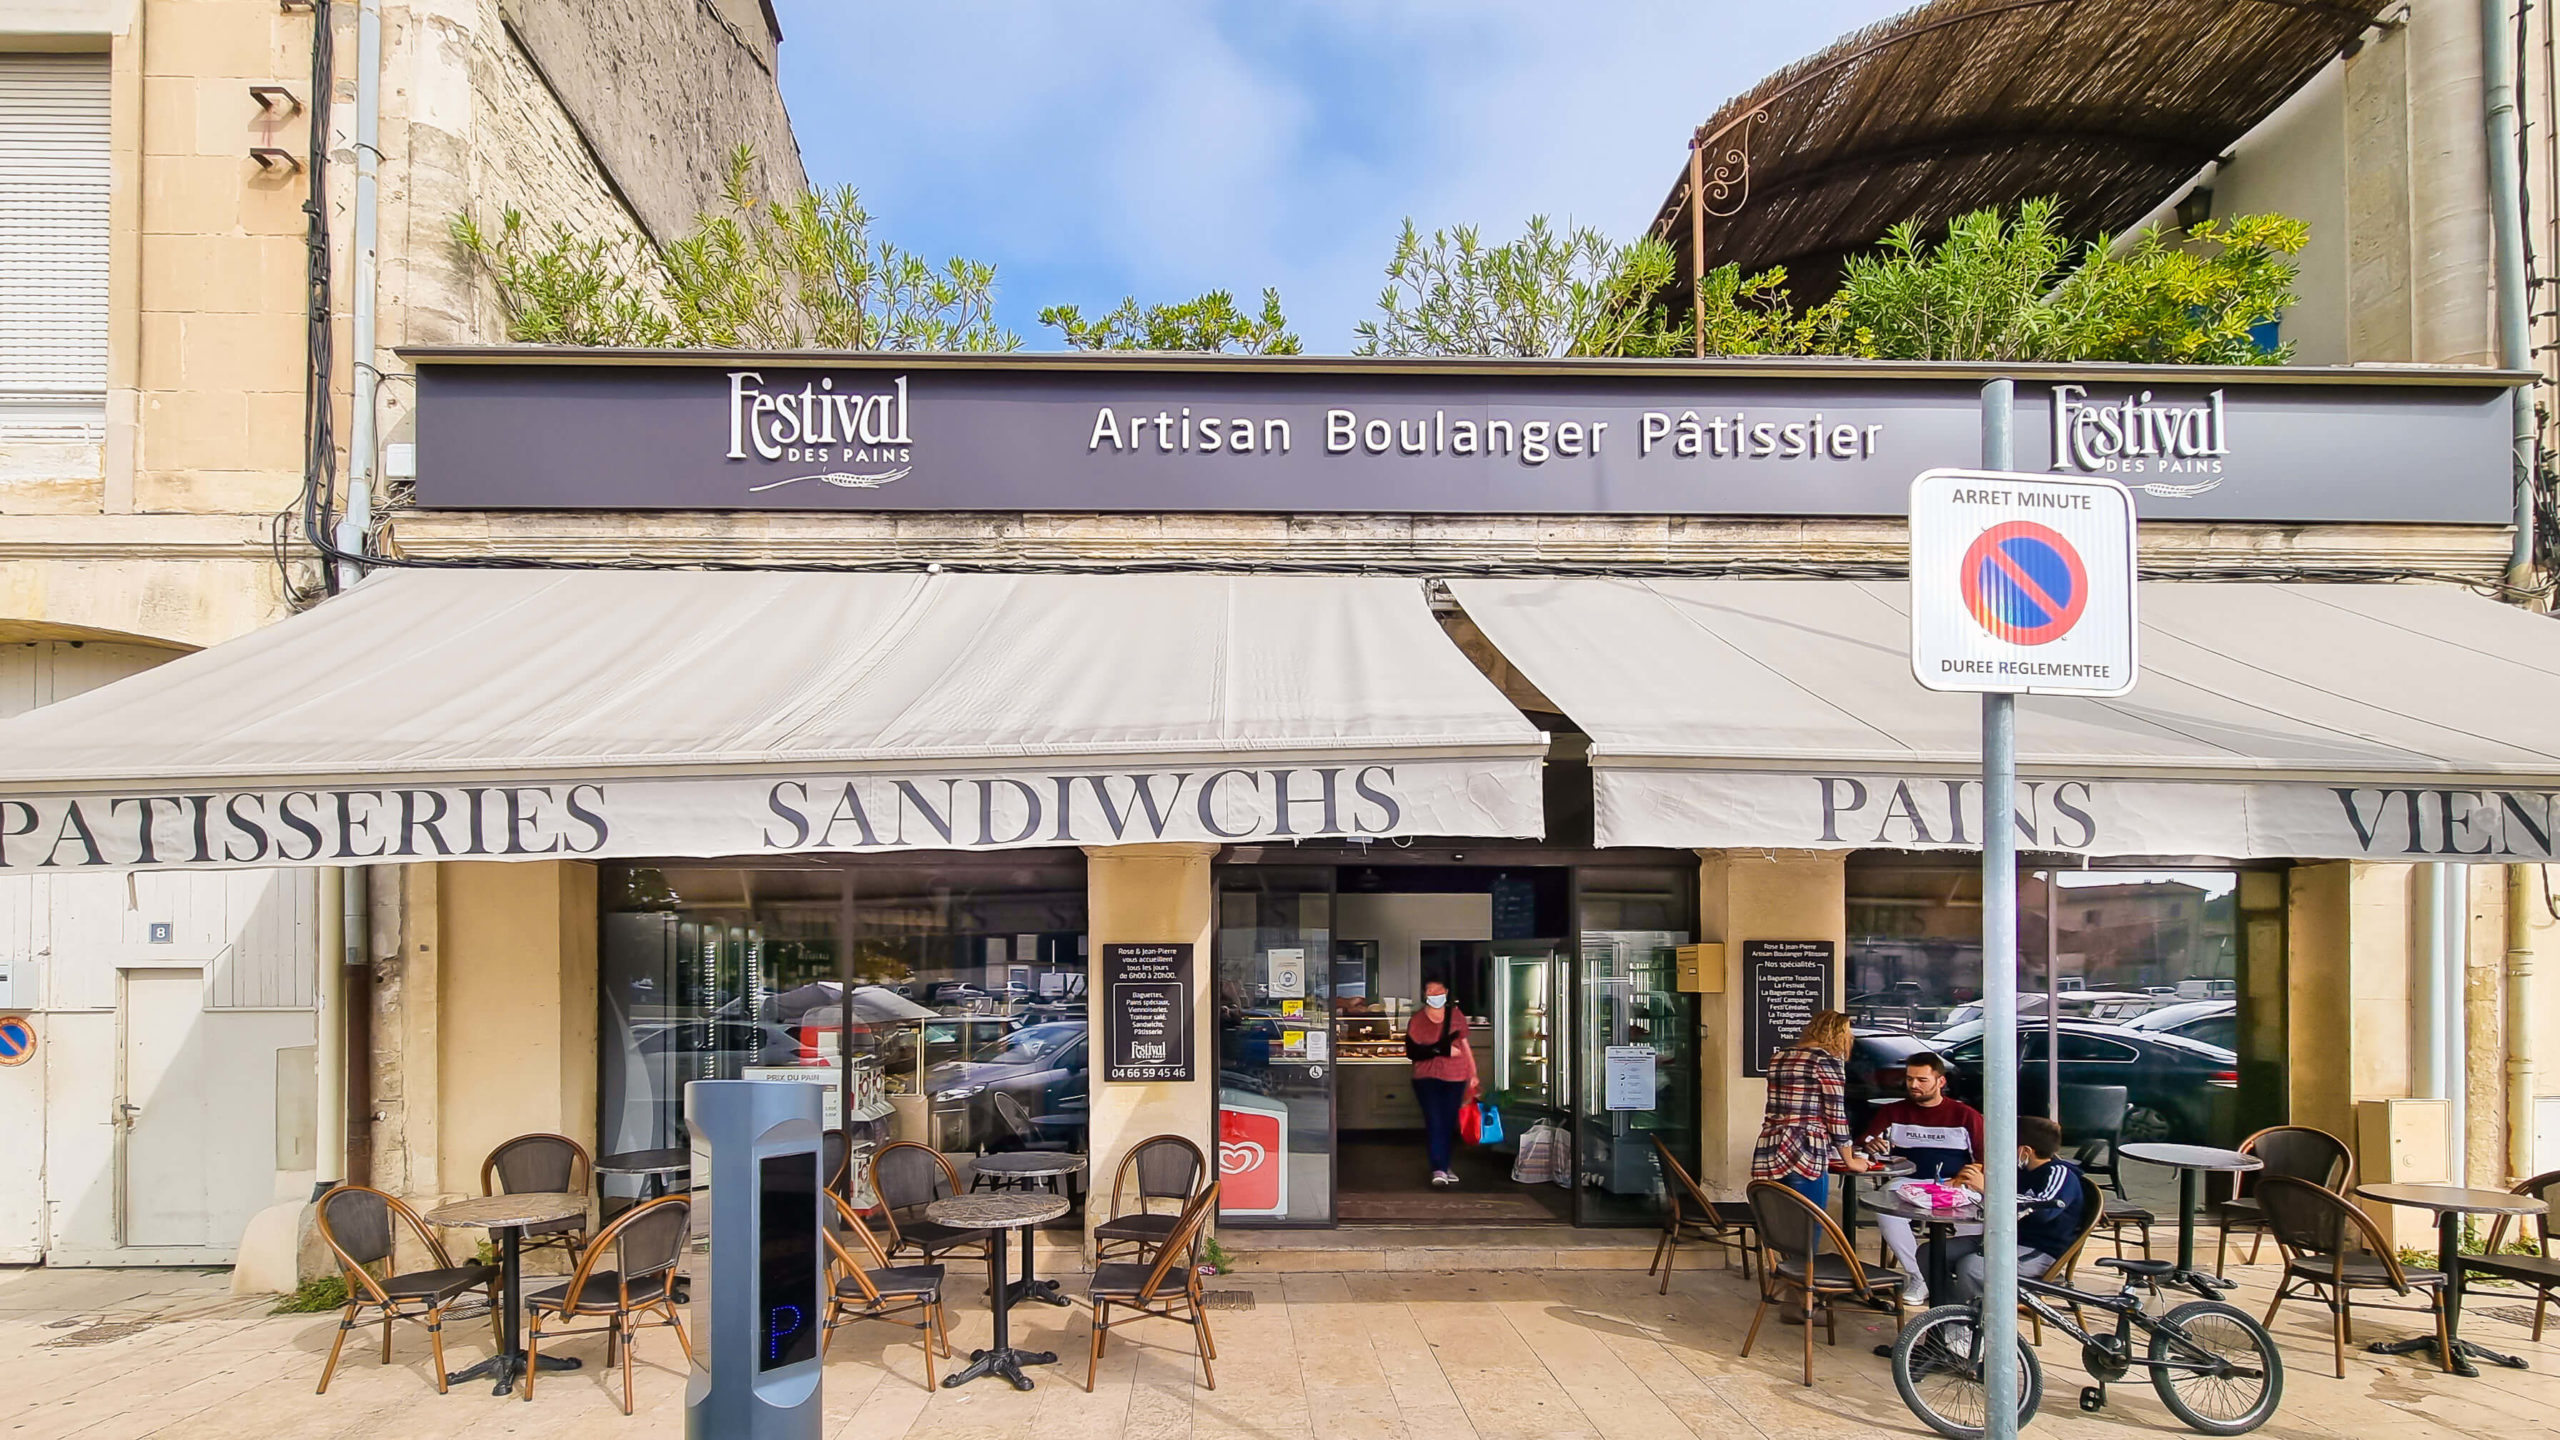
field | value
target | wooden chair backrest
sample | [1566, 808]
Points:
[910, 1167]
[1685, 1187]
[1177, 1242]
[1778, 1212]
[2314, 1223]
[357, 1223]
[531, 1163]
[2093, 1212]
[654, 1230]
[2544, 1187]
[1152, 1162]
[873, 1257]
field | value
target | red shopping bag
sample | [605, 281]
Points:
[1471, 1124]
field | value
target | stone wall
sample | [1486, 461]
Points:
[616, 63]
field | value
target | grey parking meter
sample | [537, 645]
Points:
[756, 1324]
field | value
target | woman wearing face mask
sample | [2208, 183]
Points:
[1444, 1074]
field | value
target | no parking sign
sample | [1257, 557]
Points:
[2022, 584]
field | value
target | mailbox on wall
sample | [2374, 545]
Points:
[756, 1324]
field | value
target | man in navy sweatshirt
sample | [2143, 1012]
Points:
[2049, 1198]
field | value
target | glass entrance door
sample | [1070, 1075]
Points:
[1277, 978]
[1635, 1054]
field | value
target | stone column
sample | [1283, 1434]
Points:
[518, 989]
[1149, 894]
[1748, 895]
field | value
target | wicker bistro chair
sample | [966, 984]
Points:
[868, 1287]
[1691, 1216]
[1163, 1168]
[2093, 1213]
[2298, 1151]
[2331, 1251]
[2540, 1270]
[643, 1245]
[2092, 1120]
[1166, 1289]
[549, 1164]
[907, 1177]
[356, 1223]
[2120, 1214]
[1802, 1250]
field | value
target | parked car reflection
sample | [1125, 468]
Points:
[1039, 1067]
[2171, 1082]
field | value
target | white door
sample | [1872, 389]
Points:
[164, 1114]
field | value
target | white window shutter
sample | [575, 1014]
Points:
[53, 245]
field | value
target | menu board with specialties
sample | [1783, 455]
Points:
[1785, 984]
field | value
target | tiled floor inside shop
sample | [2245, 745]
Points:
[1576, 1343]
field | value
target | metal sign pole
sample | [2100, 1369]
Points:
[1999, 1007]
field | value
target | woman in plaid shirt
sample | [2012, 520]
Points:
[1807, 1120]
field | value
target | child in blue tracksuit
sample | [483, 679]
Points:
[2049, 1198]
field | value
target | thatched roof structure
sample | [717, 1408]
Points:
[2107, 105]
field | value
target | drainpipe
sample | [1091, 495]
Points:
[2427, 988]
[2515, 352]
[2506, 223]
[2454, 911]
[357, 522]
[2521, 885]
[329, 1148]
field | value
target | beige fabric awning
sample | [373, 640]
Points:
[520, 713]
[2401, 721]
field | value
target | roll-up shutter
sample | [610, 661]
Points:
[53, 245]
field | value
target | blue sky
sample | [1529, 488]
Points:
[1165, 147]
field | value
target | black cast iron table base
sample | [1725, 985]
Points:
[1044, 1291]
[2449, 1261]
[1004, 1359]
[1007, 1362]
[2464, 1352]
[508, 1368]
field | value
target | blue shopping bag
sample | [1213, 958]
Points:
[1492, 1125]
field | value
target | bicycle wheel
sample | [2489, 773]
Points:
[1937, 1365]
[2229, 1404]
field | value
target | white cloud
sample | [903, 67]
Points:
[1165, 147]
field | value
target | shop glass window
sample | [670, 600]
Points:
[708, 973]
[935, 999]
[2168, 982]
[992, 949]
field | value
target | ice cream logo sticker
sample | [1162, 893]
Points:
[863, 439]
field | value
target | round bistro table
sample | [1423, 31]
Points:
[1883, 1173]
[1021, 1169]
[2190, 1161]
[2450, 1203]
[654, 1167]
[1942, 1227]
[999, 1214]
[506, 1216]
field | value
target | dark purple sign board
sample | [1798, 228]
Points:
[913, 433]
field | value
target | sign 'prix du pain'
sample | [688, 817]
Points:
[2022, 584]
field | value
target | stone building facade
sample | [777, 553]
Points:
[152, 504]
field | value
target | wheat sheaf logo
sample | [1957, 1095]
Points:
[862, 438]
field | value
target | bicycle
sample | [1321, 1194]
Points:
[2214, 1367]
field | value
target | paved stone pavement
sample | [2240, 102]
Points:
[1381, 1355]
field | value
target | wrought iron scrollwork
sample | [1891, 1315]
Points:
[1724, 176]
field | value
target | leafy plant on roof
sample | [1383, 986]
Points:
[802, 273]
[1547, 293]
[2016, 287]
[1210, 323]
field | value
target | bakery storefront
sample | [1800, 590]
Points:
[1060, 853]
